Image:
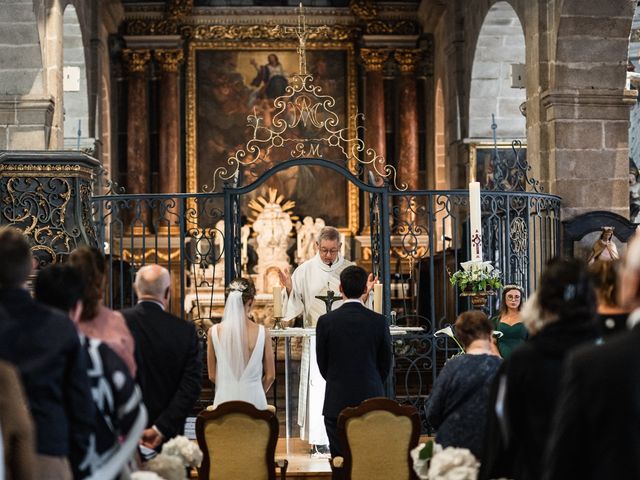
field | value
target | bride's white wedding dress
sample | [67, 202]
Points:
[248, 387]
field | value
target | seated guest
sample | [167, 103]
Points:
[115, 394]
[168, 352]
[98, 321]
[239, 353]
[16, 427]
[43, 344]
[611, 317]
[458, 402]
[561, 317]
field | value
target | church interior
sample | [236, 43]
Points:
[218, 138]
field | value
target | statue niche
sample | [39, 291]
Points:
[272, 227]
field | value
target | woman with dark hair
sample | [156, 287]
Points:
[559, 316]
[98, 321]
[240, 358]
[508, 320]
[611, 317]
[458, 402]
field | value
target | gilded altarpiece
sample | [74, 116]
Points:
[227, 82]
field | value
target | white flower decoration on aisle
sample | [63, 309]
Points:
[183, 448]
[432, 462]
[167, 467]
[453, 464]
[145, 475]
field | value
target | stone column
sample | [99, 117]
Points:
[407, 137]
[588, 135]
[169, 155]
[138, 168]
[375, 129]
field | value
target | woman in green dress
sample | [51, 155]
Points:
[508, 321]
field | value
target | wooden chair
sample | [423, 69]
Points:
[376, 439]
[238, 441]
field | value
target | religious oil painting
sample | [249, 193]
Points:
[500, 167]
[228, 85]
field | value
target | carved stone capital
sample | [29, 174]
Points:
[136, 60]
[179, 8]
[373, 58]
[169, 60]
[407, 59]
[364, 9]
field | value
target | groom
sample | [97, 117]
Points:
[351, 377]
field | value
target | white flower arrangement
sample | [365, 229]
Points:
[145, 475]
[167, 467]
[177, 455]
[454, 464]
[183, 448]
[432, 462]
[477, 277]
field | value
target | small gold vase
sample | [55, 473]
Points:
[478, 299]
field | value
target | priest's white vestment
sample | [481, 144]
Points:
[313, 277]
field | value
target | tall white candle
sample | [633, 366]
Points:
[475, 227]
[277, 301]
[245, 250]
[377, 298]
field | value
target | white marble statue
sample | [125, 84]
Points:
[272, 227]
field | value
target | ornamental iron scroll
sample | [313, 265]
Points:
[511, 172]
[48, 197]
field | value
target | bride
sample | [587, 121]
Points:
[240, 359]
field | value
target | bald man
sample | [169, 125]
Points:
[168, 356]
[597, 425]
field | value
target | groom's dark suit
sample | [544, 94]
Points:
[169, 365]
[354, 356]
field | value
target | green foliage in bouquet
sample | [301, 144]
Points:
[477, 277]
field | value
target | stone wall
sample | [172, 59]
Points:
[577, 110]
[26, 109]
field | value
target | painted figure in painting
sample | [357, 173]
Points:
[270, 78]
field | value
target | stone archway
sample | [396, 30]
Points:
[75, 96]
[500, 44]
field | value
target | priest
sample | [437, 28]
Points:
[314, 278]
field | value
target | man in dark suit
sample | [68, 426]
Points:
[597, 421]
[353, 351]
[43, 344]
[168, 356]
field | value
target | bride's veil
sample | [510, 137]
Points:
[233, 335]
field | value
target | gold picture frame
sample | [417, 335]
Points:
[481, 165]
[256, 49]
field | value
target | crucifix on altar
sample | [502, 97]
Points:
[329, 298]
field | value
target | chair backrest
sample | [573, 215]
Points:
[237, 441]
[376, 439]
